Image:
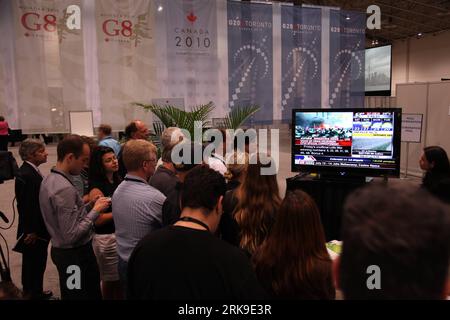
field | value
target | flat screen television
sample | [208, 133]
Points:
[378, 64]
[347, 142]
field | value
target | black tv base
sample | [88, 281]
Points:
[330, 193]
[343, 176]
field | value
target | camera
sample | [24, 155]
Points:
[8, 166]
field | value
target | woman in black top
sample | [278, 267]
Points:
[228, 228]
[436, 180]
[103, 181]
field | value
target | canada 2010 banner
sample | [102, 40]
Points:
[301, 39]
[191, 30]
[250, 58]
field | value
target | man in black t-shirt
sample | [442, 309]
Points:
[186, 261]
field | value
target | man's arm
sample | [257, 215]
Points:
[74, 222]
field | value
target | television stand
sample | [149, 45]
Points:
[343, 176]
[330, 193]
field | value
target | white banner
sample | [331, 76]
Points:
[191, 42]
[126, 59]
[47, 65]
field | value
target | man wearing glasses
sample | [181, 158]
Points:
[136, 206]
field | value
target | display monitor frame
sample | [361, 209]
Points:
[349, 171]
[379, 93]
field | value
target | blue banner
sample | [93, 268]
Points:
[250, 58]
[301, 33]
[347, 62]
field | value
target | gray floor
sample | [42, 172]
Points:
[51, 275]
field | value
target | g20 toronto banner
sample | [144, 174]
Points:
[250, 55]
[301, 33]
[347, 59]
[191, 30]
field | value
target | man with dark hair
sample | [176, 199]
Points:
[31, 224]
[70, 222]
[186, 261]
[106, 140]
[133, 131]
[396, 244]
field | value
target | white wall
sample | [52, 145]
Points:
[432, 100]
[421, 60]
[422, 63]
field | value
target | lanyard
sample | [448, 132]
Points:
[134, 180]
[63, 175]
[196, 221]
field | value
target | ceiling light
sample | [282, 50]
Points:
[160, 8]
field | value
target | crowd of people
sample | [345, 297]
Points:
[139, 227]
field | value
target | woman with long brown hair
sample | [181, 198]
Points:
[258, 202]
[293, 263]
[228, 228]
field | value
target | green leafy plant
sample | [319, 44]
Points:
[238, 115]
[171, 116]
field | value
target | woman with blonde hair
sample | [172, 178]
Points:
[258, 202]
[236, 166]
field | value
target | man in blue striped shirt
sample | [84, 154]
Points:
[137, 206]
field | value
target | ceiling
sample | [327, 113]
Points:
[400, 19]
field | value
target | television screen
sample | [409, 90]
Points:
[378, 71]
[354, 141]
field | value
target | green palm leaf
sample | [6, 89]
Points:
[171, 116]
[238, 115]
